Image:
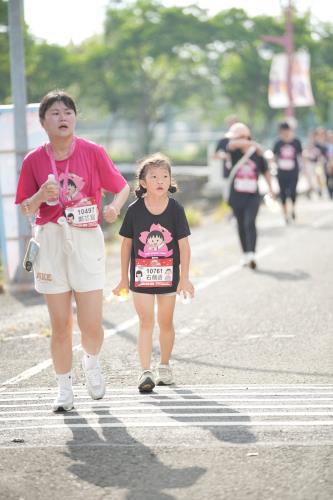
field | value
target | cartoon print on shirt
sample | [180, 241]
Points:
[75, 184]
[286, 160]
[287, 151]
[155, 241]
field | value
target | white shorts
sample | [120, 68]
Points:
[82, 271]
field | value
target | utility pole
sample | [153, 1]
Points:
[19, 96]
[287, 42]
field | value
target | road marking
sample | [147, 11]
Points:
[97, 410]
[231, 397]
[170, 407]
[236, 423]
[223, 414]
[177, 389]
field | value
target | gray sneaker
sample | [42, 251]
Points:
[64, 400]
[94, 380]
[164, 375]
[146, 381]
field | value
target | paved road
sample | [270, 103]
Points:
[251, 413]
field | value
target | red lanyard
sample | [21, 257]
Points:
[50, 154]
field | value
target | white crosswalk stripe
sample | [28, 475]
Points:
[178, 406]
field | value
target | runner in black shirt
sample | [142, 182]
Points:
[287, 151]
[244, 194]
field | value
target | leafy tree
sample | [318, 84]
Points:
[151, 57]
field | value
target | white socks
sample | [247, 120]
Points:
[90, 360]
[64, 380]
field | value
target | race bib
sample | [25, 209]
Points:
[153, 273]
[245, 185]
[286, 164]
[82, 213]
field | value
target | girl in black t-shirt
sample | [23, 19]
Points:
[155, 246]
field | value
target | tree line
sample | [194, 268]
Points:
[153, 62]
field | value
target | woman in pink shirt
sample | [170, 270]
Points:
[71, 258]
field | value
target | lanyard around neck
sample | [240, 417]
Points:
[50, 154]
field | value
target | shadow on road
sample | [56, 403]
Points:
[232, 433]
[117, 460]
[28, 299]
[196, 361]
[296, 275]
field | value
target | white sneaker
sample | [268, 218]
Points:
[94, 380]
[146, 381]
[164, 375]
[64, 400]
[244, 260]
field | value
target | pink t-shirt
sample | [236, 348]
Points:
[89, 171]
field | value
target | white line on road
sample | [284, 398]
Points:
[178, 389]
[170, 407]
[155, 414]
[203, 402]
[185, 397]
[236, 423]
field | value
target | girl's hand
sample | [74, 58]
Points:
[121, 289]
[186, 288]
[110, 213]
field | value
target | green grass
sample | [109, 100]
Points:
[221, 211]
[194, 216]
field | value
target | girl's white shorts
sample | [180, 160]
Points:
[81, 270]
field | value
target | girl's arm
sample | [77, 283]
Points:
[111, 212]
[125, 256]
[185, 285]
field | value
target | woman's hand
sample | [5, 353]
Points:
[48, 191]
[110, 213]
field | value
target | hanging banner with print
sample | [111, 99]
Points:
[300, 79]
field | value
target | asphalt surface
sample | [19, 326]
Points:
[250, 415]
